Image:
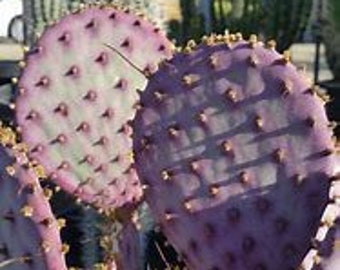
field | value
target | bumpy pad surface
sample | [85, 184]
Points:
[328, 256]
[236, 152]
[77, 96]
[129, 248]
[29, 233]
[325, 251]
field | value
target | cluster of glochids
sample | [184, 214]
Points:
[226, 142]
[29, 231]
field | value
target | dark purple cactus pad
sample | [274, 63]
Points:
[29, 233]
[77, 96]
[325, 253]
[329, 250]
[129, 249]
[235, 148]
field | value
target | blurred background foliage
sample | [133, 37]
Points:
[329, 33]
[282, 20]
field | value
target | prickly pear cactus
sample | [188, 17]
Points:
[234, 149]
[329, 250]
[325, 255]
[38, 14]
[29, 236]
[77, 96]
[129, 247]
[152, 9]
[139, 244]
[325, 252]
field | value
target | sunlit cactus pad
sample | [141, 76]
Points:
[235, 148]
[29, 233]
[77, 96]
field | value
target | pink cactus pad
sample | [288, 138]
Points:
[77, 96]
[29, 236]
[236, 150]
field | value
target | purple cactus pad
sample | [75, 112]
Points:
[77, 97]
[30, 234]
[236, 154]
[325, 251]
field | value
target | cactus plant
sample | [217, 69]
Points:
[329, 252]
[330, 255]
[234, 149]
[281, 20]
[284, 21]
[229, 140]
[152, 9]
[30, 213]
[330, 35]
[38, 14]
[41, 13]
[30, 237]
[81, 132]
[324, 253]
[115, 84]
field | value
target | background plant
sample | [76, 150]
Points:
[40, 13]
[283, 21]
[330, 33]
